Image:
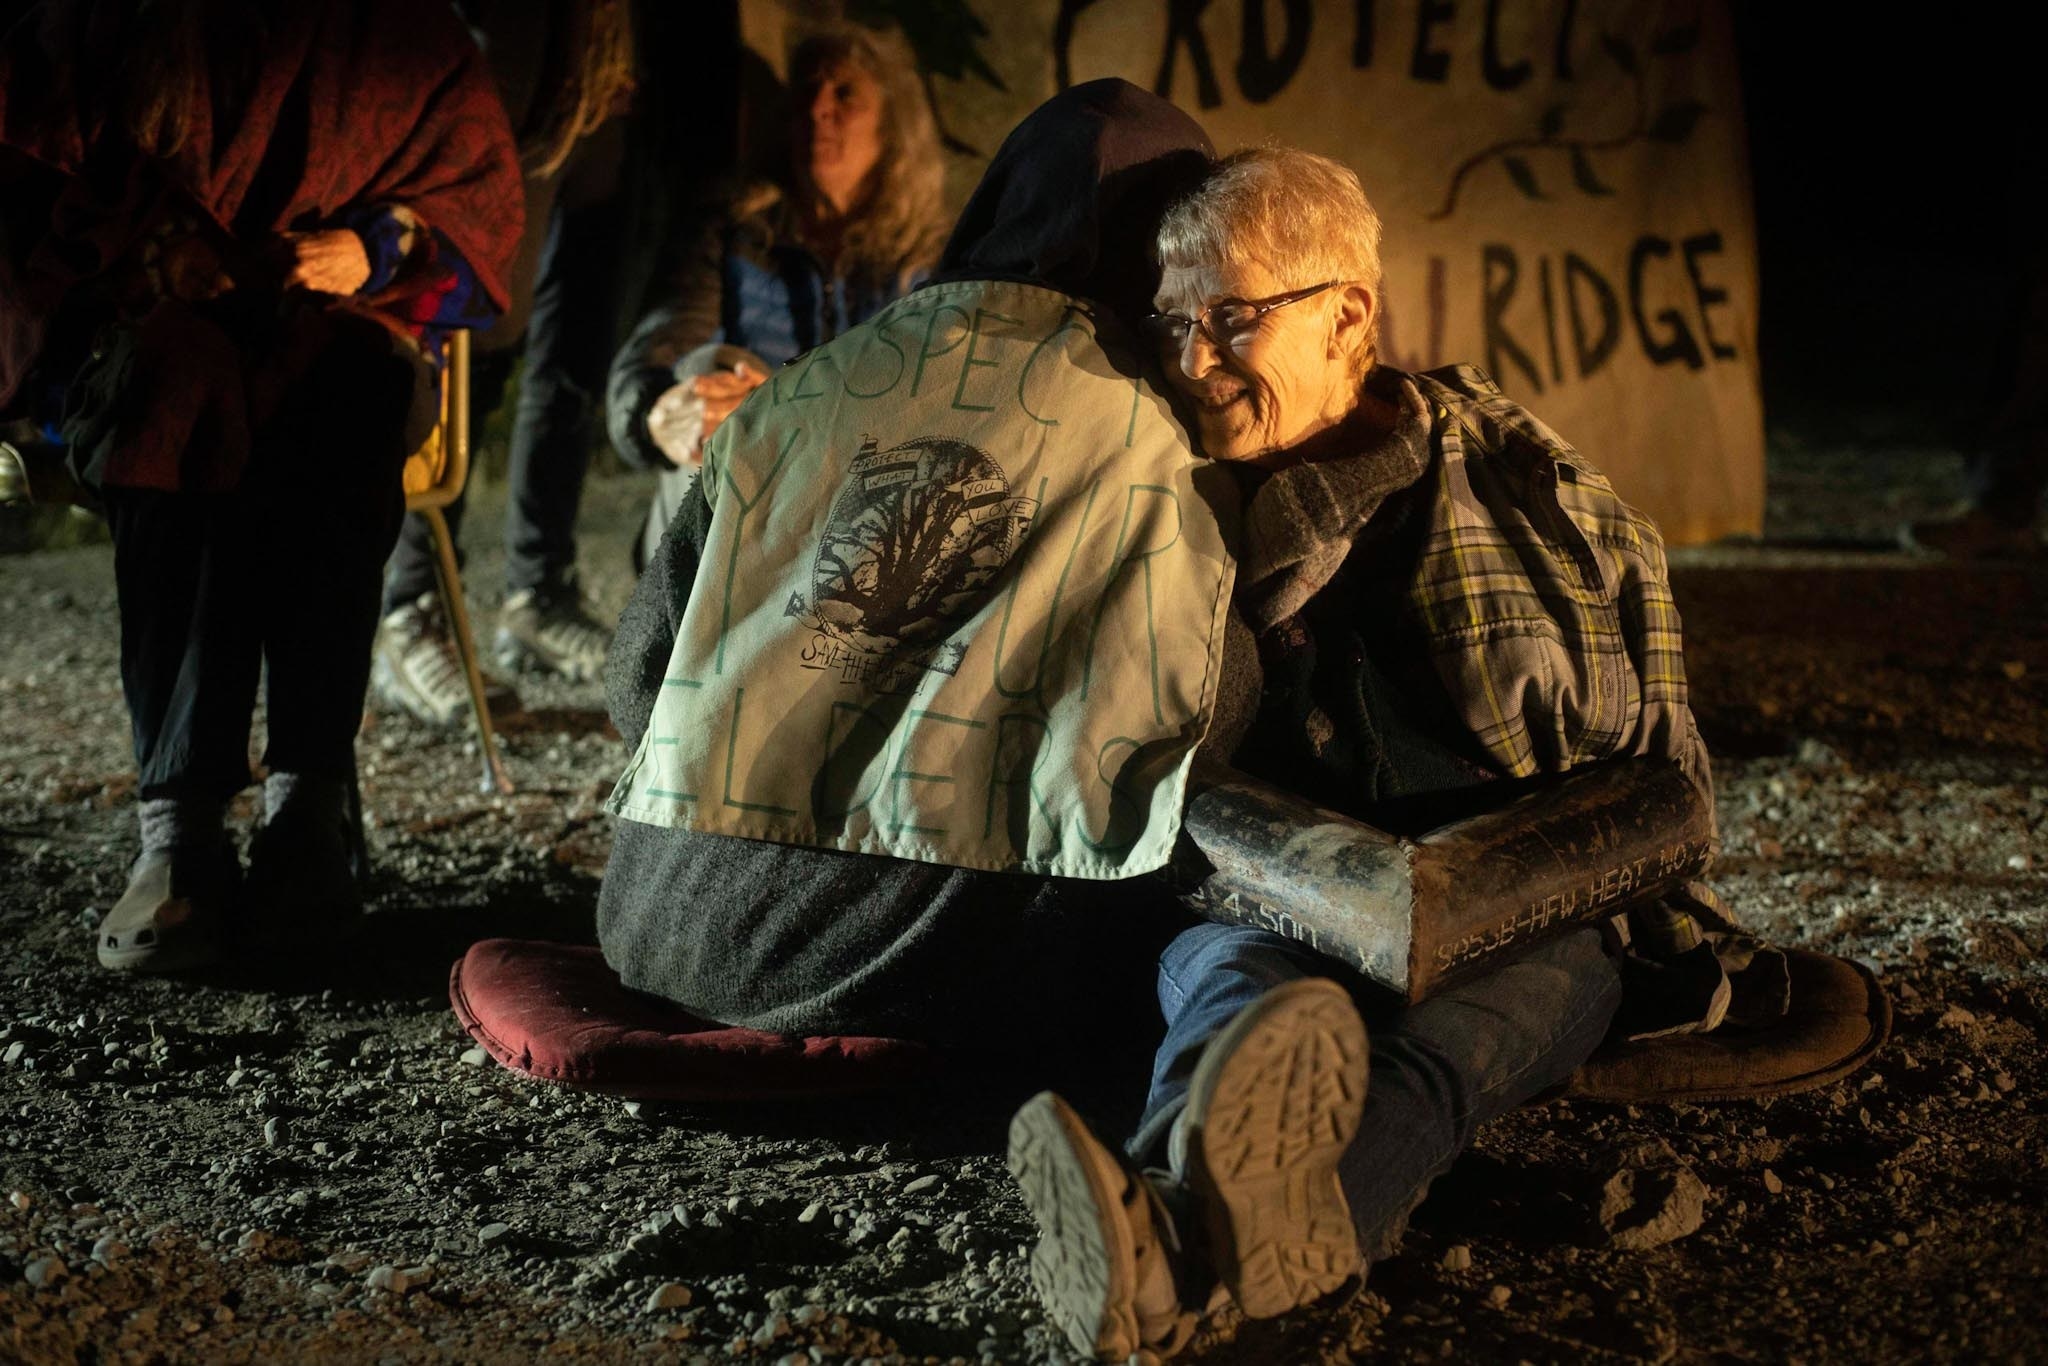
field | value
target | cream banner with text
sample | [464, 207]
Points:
[1564, 186]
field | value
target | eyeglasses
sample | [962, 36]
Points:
[1226, 320]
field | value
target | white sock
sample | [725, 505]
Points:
[180, 823]
[304, 794]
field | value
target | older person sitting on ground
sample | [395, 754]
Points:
[1443, 594]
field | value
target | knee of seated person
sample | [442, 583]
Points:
[1245, 950]
[1582, 967]
[1579, 950]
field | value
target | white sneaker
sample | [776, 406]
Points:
[415, 667]
[548, 630]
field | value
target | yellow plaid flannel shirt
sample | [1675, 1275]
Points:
[1542, 601]
[1547, 603]
[1546, 599]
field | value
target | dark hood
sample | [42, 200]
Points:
[1073, 196]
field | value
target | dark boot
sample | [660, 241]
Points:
[307, 864]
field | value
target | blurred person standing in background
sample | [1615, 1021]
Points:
[2008, 469]
[566, 72]
[252, 225]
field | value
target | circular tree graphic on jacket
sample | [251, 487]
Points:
[911, 546]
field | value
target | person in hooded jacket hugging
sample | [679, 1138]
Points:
[914, 676]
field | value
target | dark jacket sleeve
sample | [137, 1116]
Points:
[640, 649]
[686, 308]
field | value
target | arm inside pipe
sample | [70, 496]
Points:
[1413, 914]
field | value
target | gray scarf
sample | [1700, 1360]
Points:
[1303, 519]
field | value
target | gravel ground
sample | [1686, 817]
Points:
[233, 1169]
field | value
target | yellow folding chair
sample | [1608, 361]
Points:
[434, 478]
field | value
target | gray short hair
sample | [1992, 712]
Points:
[1303, 216]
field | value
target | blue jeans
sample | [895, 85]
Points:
[274, 582]
[1439, 1070]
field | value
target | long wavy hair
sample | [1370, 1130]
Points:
[171, 53]
[592, 81]
[897, 226]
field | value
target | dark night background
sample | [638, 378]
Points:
[1897, 166]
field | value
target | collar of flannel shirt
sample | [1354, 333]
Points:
[1303, 519]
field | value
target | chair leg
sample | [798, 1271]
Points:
[449, 575]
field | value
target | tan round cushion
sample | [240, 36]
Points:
[1839, 1018]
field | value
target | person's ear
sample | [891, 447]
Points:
[1352, 321]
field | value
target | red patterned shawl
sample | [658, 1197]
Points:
[351, 103]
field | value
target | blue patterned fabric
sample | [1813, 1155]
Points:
[783, 306]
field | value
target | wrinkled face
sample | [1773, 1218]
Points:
[1271, 386]
[838, 132]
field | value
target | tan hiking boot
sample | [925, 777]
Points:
[1272, 1105]
[1108, 1256]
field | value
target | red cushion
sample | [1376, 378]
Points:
[557, 1012]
